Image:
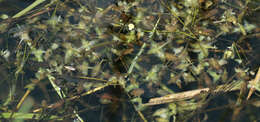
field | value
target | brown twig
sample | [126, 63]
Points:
[191, 94]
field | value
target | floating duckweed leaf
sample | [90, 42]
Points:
[122, 82]
[244, 28]
[59, 69]
[38, 53]
[238, 61]
[41, 73]
[24, 36]
[88, 85]
[99, 31]
[131, 87]
[4, 16]
[53, 21]
[229, 16]
[229, 54]
[162, 112]
[53, 63]
[178, 50]
[225, 28]
[152, 74]
[175, 10]
[137, 100]
[197, 70]
[84, 68]
[155, 48]
[3, 27]
[86, 45]
[176, 79]
[214, 75]
[173, 108]
[82, 25]
[96, 69]
[202, 48]
[187, 106]
[249, 27]
[208, 4]
[183, 66]
[188, 20]
[130, 37]
[222, 62]
[162, 92]
[241, 29]
[54, 46]
[188, 77]
[191, 3]
[201, 56]
[68, 55]
[86, 38]
[5, 54]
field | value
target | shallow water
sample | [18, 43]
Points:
[110, 52]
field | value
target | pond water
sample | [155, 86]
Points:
[88, 60]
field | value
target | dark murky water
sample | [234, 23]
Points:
[119, 107]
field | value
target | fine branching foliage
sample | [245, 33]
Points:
[130, 60]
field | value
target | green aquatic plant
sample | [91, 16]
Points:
[119, 58]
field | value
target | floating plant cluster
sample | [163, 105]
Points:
[143, 49]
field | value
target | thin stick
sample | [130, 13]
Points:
[191, 94]
[78, 96]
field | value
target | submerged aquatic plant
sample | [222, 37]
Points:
[83, 56]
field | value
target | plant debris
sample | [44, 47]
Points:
[112, 59]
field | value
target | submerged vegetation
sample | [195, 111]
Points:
[131, 60]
